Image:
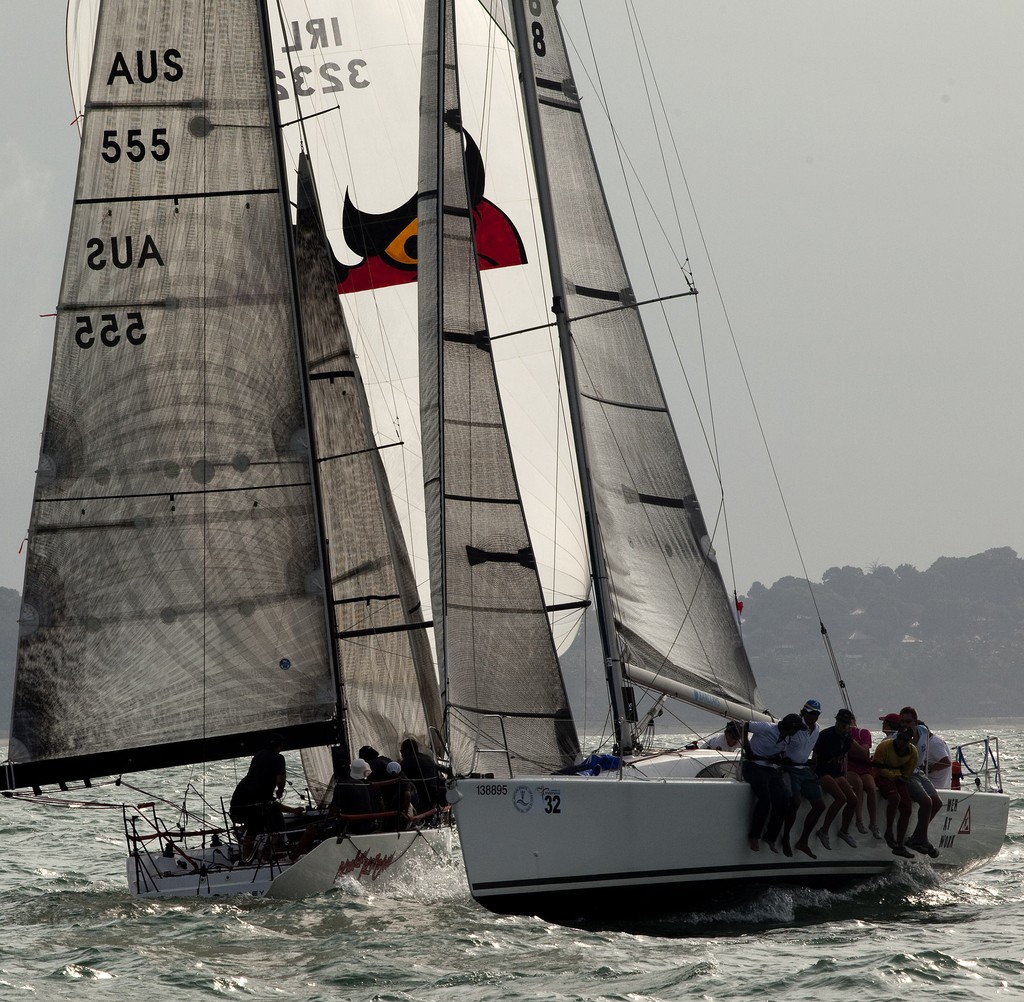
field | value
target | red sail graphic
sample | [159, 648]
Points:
[387, 241]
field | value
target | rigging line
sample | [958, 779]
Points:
[596, 313]
[644, 61]
[710, 441]
[636, 28]
[716, 453]
[619, 152]
[623, 154]
[714, 275]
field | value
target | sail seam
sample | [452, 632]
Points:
[373, 631]
[176, 196]
[173, 494]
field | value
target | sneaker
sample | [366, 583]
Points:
[921, 847]
[823, 838]
[848, 839]
[862, 828]
[900, 850]
[889, 840]
[874, 831]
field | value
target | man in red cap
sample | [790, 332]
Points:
[890, 724]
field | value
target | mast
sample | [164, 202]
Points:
[605, 615]
[505, 701]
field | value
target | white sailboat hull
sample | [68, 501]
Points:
[557, 845]
[370, 859]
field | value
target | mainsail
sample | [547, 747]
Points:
[506, 704]
[174, 604]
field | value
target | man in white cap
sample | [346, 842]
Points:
[351, 801]
[396, 794]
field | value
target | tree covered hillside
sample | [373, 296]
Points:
[949, 640]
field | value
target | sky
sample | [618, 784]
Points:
[856, 171]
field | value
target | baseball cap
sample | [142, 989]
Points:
[811, 706]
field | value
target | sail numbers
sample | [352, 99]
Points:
[108, 330]
[120, 252]
[146, 67]
[540, 47]
[330, 79]
[326, 78]
[132, 146]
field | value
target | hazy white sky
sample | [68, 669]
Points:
[856, 168]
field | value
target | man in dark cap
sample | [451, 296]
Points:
[253, 803]
[765, 753]
[830, 768]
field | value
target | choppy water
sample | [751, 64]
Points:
[70, 930]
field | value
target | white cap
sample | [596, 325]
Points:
[359, 769]
[394, 768]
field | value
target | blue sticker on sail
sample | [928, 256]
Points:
[284, 664]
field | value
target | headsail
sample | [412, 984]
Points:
[173, 608]
[507, 708]
[672, 615]
[390, 685]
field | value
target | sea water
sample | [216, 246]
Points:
[70, 930]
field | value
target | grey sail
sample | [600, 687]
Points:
[388, 674]
[506, 704]
[673, 617]
[174, 602]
